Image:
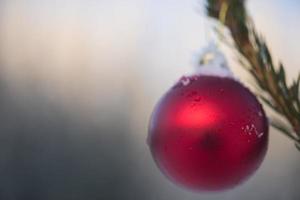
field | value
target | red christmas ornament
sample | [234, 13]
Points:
[208, 133]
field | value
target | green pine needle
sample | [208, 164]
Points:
[271, 80]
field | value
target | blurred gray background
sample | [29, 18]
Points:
[78, 82]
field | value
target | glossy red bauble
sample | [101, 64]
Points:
[208, 133]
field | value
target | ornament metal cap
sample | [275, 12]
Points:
[212, 62]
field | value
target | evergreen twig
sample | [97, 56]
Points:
[270, 79]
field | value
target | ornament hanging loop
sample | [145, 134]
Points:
[212, 59]
[212, 54]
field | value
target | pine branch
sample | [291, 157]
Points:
[271, 80]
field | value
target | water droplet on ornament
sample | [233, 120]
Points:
[260, 135]
[193, 105]
[191, 94]
[197, 98]
[185, 81]
[252, 130]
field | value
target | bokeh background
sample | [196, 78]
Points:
[78, 82]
